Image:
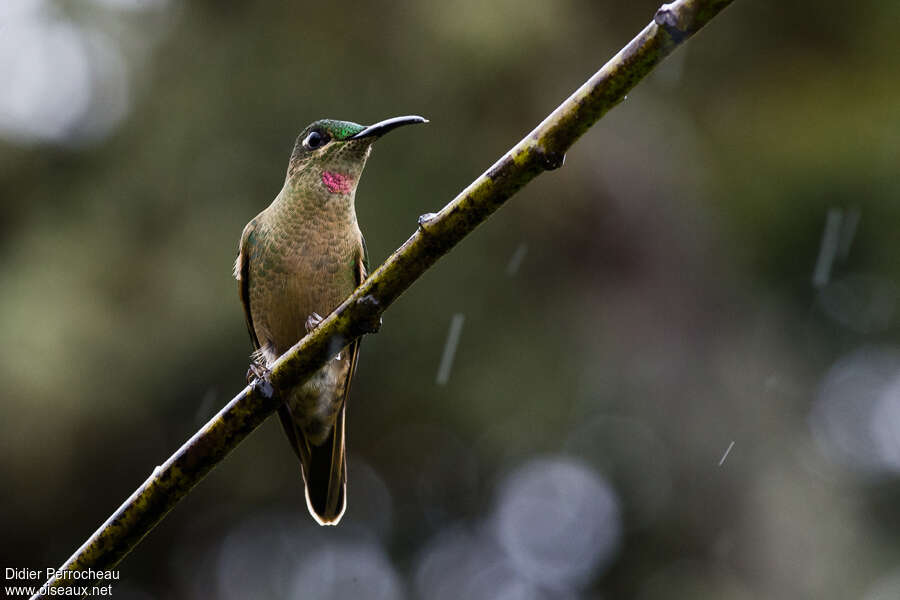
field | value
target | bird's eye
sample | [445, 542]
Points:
[316, 139]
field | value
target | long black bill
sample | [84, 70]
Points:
[382, 127]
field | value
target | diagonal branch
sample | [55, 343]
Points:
[541, 150]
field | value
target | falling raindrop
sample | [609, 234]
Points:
[848, 231]
[516, 260]
[443, 374]
[727, 451]
[828, 248]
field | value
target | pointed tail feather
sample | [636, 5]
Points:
[324, 468]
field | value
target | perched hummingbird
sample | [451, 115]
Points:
[299, 259]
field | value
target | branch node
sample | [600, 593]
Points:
[263, 387]
[672, 21]
[424, 220]
[371, 323]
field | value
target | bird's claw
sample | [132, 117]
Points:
[312, 321]
[257, 371]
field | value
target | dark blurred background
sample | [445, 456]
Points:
[677, 372]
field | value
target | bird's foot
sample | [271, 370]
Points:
[257, 371]
[312, 321]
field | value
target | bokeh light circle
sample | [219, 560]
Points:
[558, 521]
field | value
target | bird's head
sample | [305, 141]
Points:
[330, 155]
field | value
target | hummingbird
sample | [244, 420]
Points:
[299, 259]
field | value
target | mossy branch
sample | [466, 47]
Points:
[541, 150]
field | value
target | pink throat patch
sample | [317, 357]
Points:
[337, 183]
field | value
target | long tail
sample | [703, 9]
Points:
[324, 468]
